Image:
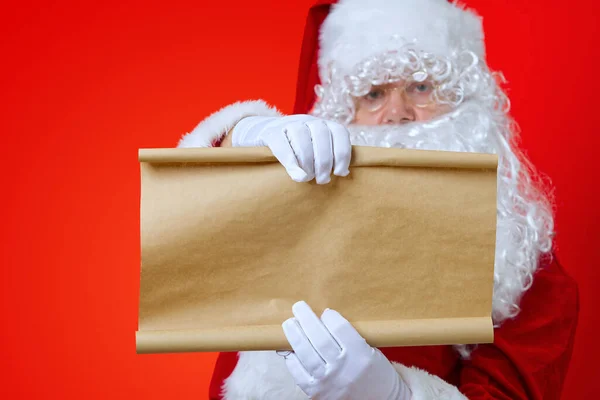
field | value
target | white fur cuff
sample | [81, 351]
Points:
[219, 123]
[425, 386]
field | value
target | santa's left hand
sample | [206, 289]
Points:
[332, 361]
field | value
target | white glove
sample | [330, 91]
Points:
[306, 146]
[332, 361]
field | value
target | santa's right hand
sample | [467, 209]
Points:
[308, 147]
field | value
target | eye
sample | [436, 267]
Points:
[420, 88]
[375, 94]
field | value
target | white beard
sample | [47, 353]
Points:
[524, 224]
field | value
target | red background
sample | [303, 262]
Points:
[85, 84]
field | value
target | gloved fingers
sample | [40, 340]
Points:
[299, 138]
[342, 148]
[282, 150]
[316, 332]
[323, 150]
[342, 330]
[302, 378]
[307, 355]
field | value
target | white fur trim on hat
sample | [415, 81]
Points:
[357, 29]
[218, 124]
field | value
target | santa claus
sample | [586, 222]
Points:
[406, 73]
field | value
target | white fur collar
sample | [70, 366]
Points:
[261, 375]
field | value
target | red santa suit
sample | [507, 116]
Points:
[530, 353]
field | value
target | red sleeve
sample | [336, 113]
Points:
[217, 142]
[530, 354]
[225, 365]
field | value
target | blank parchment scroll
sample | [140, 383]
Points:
[403, 248]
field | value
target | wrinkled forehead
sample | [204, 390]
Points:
[404, 83]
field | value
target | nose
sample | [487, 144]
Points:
[398, 110]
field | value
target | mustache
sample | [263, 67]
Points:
[469, 128]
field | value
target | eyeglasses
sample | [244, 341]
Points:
[418, 94]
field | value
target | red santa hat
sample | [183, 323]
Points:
[345, 32]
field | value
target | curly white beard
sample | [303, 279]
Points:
[525, 222]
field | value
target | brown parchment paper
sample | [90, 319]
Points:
[403, 248]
